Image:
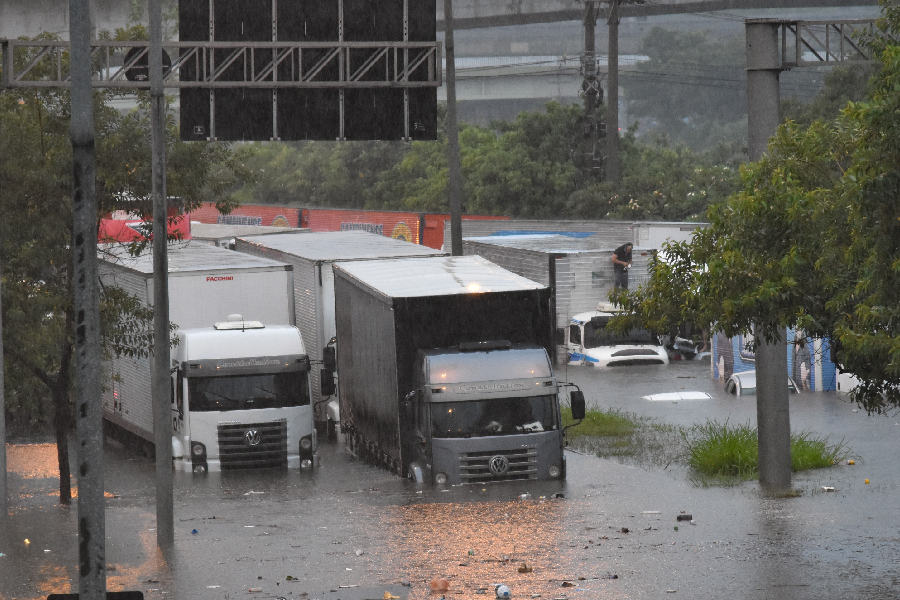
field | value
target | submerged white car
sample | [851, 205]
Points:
[589, 343]
[743, 384]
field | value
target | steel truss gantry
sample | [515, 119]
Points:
[222, 65]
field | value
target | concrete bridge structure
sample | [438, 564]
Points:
[531, 53]
[19, 17]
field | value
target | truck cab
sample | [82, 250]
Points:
[589, 343]
[241, 398]
[461, 424]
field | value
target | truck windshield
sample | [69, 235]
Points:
[243, 392]
[497, 416]
[596, 335]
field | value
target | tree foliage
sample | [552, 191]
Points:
[812, 240]
[841, 85]
[526, 168]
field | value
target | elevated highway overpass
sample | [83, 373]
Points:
[531, 53]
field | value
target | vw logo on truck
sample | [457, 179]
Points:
[253, 437]
[499, 465]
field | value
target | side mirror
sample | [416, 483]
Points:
[329, 357]
[576, 399]
[326, 382]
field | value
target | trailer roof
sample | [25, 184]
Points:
[186, 256]
[549, 242]
[435, 276]
[341, 245]
[219, 231]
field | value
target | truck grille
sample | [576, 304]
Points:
[256, 445]
[498, 465]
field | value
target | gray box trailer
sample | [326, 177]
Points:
[578, 270]
[311, 255]
[429, 346]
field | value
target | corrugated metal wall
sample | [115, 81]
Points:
[249, 214]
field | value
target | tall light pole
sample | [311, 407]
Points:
[612, 110]
[593, 94]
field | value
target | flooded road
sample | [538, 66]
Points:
[289, 534]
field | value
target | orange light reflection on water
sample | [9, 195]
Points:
[435, 541]
[32, 461]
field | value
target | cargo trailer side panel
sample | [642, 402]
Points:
[201, 299]
[126, 400]
[367, 365]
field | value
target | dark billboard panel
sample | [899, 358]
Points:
[331, 111]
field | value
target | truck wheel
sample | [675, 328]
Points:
[415, 473]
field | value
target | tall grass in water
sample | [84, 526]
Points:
[599, 423]
[625, 436]
[721, 450]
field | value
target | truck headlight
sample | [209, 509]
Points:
[554, 471]
[198, 450]
[306, 445]
[440, 478]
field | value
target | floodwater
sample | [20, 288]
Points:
[350, 531]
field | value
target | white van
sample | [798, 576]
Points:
[588, 342]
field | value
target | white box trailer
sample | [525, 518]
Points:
[312, 255]
[578, 269]
[240, 370]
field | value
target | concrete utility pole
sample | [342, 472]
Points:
[88, 415]
[772, 403]
[4, 495]
[612, 110]
[162, 382]
[454, 185]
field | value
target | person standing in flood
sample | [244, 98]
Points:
[621, 259]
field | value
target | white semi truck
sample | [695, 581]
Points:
[240, 371]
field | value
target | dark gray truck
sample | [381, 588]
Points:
[445, 373]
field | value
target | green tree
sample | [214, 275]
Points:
[842, 85]
[659, 183]
[328, 174]
[811, 240]
[35, 239]
[524, 168]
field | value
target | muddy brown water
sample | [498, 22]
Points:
[350, 531]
